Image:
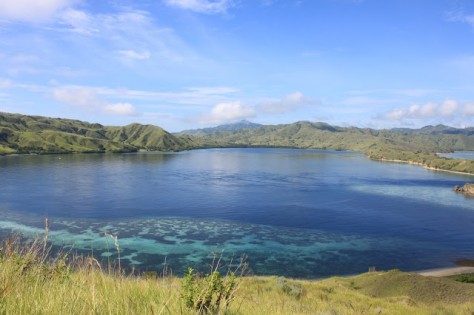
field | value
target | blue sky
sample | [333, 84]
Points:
[183, 64]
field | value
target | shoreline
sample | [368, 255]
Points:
[423, 165]
[444, 272]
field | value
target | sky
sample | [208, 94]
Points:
[186, 64]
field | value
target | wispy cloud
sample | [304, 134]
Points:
[410, 92]
[287, 104]
[85, 99]
[5, 83]
[202, 6]
[460, 16]
[85, 96]
[201, 96]
[367, 101]
[132, 34]
[212, 90]
[32, 10]
[79, 22]
[227, 113]
[135, 55]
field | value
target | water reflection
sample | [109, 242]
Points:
[301, 213]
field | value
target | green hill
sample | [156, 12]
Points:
[304, 134]
[416, 146]
[243, 124]
[36, 134]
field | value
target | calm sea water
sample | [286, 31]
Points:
[468, 155]
[298, 213]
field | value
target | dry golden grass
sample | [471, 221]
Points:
[32, 282]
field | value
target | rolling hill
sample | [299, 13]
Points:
[42, 135]
[319, 135]
[36, 134]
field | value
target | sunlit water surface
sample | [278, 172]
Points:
[298, 213]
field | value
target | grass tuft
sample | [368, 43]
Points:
[35, 281]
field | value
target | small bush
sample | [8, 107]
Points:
[211, 293]
[290, 288]
[208, 294]
[466, 278]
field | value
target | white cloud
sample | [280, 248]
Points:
[32, 10]
[227, 112]
[135, 55]
[289, 103]
[86, 99]
[125, 109]
[202, 6]
[468, 109]
[79, 97]
[448, 108]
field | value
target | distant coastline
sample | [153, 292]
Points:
[420, 164]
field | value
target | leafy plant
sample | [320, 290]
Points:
[466, 278]
[211, 293]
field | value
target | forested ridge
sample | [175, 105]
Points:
[25, 134]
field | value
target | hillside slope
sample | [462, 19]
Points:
[304, 134]
[36, 134]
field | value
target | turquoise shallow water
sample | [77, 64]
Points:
[298, 213]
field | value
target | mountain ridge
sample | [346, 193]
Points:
[243, 124]
[38, 134]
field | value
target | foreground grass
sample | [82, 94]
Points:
[33, 283]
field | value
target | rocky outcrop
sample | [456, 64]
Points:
[466, 189]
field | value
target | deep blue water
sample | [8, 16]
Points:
[298, 213]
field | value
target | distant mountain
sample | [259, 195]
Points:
[319, 135]
[36, 134]
[243, 124]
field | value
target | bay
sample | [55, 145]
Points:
[297, 213]
[467, 155]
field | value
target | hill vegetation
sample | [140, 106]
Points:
[416, 146]
[243, 124]
[304, 134]
[36, 134]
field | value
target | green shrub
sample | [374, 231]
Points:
[290, 288]
[466, 278]
[208, 294]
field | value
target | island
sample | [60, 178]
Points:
[467, 189]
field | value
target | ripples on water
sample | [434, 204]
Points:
[298, 213]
